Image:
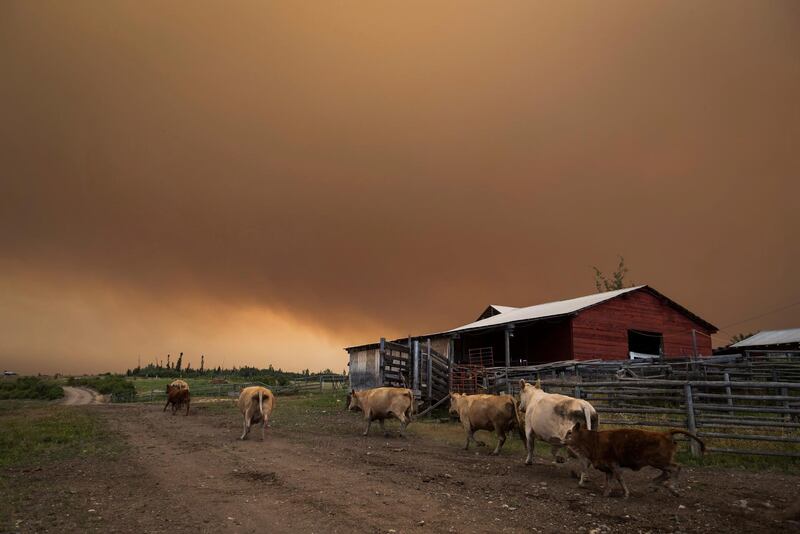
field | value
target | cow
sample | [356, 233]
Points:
[382, 403]
[549, 416]
[487, 412]
[256, 404]
[177, 394]
[611, 450]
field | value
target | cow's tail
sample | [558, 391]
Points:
[587, 413]
[412, 407]
[261, 403]
[689, 434]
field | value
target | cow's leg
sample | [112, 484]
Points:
[383, 428]
[501, 438]
[174, 408]
[554, 451]
[668, 472]
[529, 443]
[584, 470]
[187, 406]
[165, 406]
[607, 488]
[404, 420]
[246, 429]
[366, 427]
[618, 476]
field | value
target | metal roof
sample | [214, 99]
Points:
[541, 311]
[771, 337]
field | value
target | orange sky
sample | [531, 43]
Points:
[268, 182]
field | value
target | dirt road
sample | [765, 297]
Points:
[314, 473]
[79, 396]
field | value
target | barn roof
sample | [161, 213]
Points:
[566, 307]
[771, 337]
[496, 315]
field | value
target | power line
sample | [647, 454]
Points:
[762, 315]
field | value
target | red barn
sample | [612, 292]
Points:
[632, 322]
[635, 322]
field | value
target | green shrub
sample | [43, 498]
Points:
[30, 387]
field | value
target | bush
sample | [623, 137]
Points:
[30, 387]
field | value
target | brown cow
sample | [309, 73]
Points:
[611, 450]
[382, 403]
[487, 412]
[177, 394]
[256, 404]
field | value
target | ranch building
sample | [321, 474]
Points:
[630, 323]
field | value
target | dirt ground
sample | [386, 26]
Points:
[315, 473]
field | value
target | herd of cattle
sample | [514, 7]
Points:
[563, 422]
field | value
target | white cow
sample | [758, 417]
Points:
[549, 416]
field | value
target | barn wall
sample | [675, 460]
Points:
[364, 369]
[602, 331]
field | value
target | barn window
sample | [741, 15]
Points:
[643, 344]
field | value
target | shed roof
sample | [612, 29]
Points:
[771, 337]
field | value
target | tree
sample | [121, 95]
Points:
[179, 362]
[202, 362]
[168, 364]
[740, 337]
[617, 280]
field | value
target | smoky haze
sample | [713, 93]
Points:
[268, 182]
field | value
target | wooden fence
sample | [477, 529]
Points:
[416, 366]
[763, 415]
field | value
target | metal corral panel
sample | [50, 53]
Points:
[771, 337]
[365, 369]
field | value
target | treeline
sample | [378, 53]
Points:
[105, 384]
[268, 375]
[30, 387]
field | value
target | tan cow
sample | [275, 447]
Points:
[487, 412]
[382, 403]
[177, 394]
[256, 404]
[549, 416]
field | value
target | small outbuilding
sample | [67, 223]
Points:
[770, 340]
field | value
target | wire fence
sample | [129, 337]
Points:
[317, 383]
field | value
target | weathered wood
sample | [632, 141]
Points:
[690, 423]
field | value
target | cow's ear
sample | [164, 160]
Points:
[522, 383]
[352, 392]
[576, 427]
[538, 383]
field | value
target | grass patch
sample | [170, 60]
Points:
[30, 387]
[34, 433]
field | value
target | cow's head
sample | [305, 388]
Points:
[454, 399]
[527, 392]
[353, 402]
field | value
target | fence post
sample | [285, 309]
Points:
[577, 391]
[430, 374]
[727, 377]
[381, 361]
[415, 383]
[785, 393]
[690, 423]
